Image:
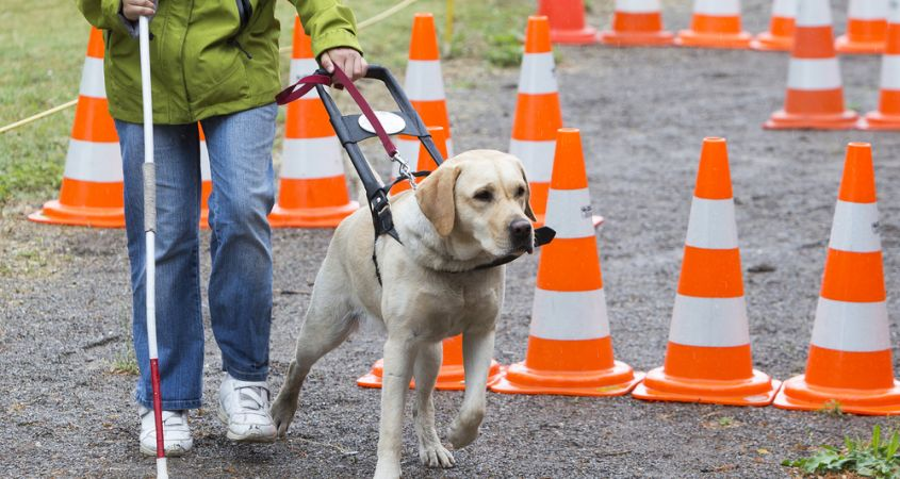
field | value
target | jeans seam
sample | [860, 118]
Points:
[247, 376]
[171, 404]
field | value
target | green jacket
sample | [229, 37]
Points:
[207, 57]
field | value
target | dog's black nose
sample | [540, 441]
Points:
[520, 230]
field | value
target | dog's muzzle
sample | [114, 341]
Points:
[520, 235]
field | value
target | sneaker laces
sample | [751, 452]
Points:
[253, 398]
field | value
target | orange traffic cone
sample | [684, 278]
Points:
[780, 36]
[567, 23]
[313, 190]
[538, 114]
[887, 117]
[92, 192]
[425, 162]
[708, 358]
[815, 95]
[424, 87]
[637, 23]
[569, 346]
[849, 362]
[715, 24]
[866, 27]
[206, 180]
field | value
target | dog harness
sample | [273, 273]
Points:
[351, 129]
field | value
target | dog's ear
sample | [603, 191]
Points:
[528, 212]
[437, 199]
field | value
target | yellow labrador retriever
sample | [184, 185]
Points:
[469, 212]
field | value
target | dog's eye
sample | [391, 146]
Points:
[520, 192]
[485, 196]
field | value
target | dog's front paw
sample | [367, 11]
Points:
[464, 429]
[387, 470]
[436, 455]
[282, 414]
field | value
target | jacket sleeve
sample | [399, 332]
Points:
[328, 22]
[104, 14]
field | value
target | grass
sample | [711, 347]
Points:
[876, 457]
[832, 407]
[125, 363]
[44, 46]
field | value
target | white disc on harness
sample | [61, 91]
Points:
[392, 122]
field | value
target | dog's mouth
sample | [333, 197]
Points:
[521, 248]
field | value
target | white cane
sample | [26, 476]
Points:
[162, 471]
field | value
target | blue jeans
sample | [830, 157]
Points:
[240, 284]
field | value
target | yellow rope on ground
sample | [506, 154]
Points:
[363, 24]
[13, 126]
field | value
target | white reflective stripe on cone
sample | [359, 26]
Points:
[311, 158]
[814, 74]
[718, 8]
[93, 161]
[537, 75]
[637, 6]
[205, 174]
[300, 68]
[894, 13]
[711, 322]
[711, 224]
[569, 315]
[890, 72]
[855, 227]
[536, 156]
[424, 81]
[867, 10]
[845, 326]
[92, 83]
[814, 13]
[569, 213]
[784, 8]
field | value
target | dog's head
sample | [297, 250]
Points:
[479, 201]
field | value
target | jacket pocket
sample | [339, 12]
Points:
[222, 78]
[123, 70]
[245, 13]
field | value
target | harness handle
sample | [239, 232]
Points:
[350, 133]
[340, 78]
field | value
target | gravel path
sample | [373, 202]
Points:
[64, 293]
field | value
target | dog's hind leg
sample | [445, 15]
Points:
[477, 349]
[428, 364]
[327, 325]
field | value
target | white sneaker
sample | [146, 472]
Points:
[244, 408]
[176, 432]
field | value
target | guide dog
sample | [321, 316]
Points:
[438, 283]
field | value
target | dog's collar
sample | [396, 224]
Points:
[542, 236]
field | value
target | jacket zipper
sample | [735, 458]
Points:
[245, 12]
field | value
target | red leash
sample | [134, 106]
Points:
[340, 79]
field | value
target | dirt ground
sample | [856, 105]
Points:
[65, 309]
